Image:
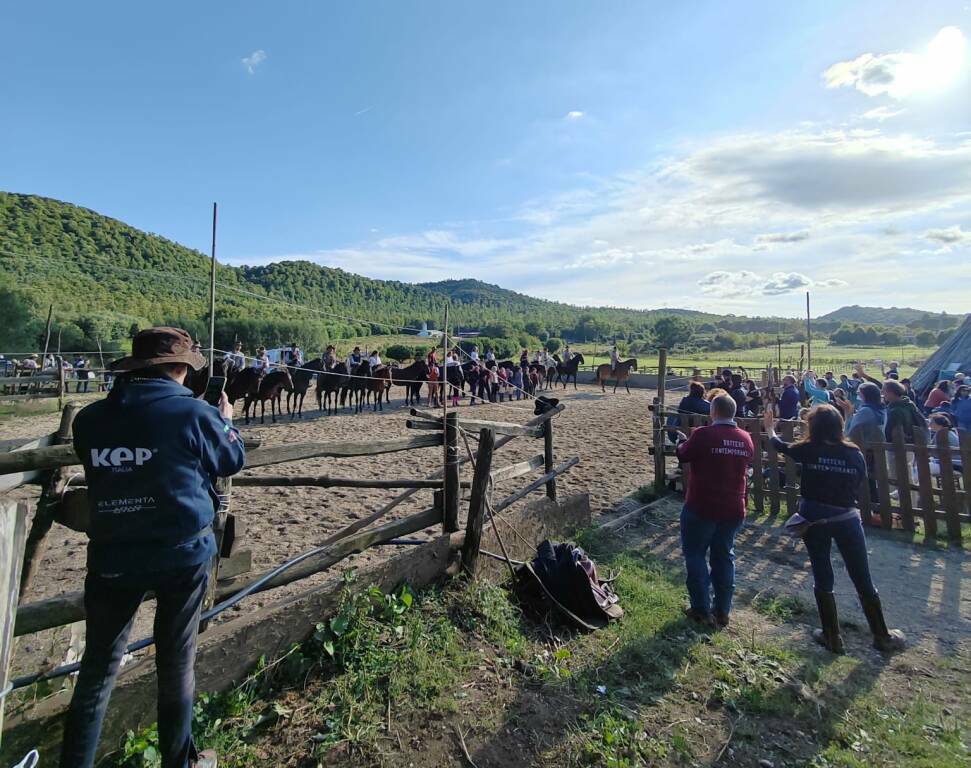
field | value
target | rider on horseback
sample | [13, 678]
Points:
[262, 361]
[235, 361]
[614, 358]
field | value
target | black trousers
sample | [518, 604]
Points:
[111, 603]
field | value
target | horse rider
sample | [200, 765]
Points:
[566, 354]
[294, 355]
[30, 363]
[490, 355]
[474, 354]
[354, 360]
[330, 357]
[524, 360]
[261, 363]
[375, 361]
[235, 361]
[614, 358]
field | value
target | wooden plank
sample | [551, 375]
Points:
[535, 485]
[237, 564]
[16, 479]
[883, 485]
[518, 470]
[39, 377]
[948, 492]
[279, 454]
[925, 485]
[477, 502]
[549, 457]
[758, 483]
[902, 472]
[326, 481]
[792, 491]
[772, 461]
[13, 532]
[48, 504]
[499, 427]
[30, 396]
[965, 443]
[450, 488]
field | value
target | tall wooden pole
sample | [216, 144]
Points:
[212, 296]
[659, 464]
[809, 337]
[47, 335]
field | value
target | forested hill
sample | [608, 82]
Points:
[105, 277]
[899, 316]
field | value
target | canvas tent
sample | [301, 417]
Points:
[952, 356]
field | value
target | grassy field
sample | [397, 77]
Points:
[423, 679]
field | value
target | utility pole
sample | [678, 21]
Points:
[809, 336]
[47, 336]
[212, 296]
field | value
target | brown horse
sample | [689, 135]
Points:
[301, 376]
[379, 385]
[271, 388]
[620, 374]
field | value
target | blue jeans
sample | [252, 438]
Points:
[705, 542]
[110, 603]
[851, 542]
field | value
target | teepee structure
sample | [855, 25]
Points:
[952, 356]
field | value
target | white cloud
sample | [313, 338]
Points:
[783, 237]
[726, 284]
[251, 62]
[903, 74]
[574, 114]
[949, 236]
[882, 113]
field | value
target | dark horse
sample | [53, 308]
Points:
[302, 377]
[411, 378]
[271, 388]
[566, 371]
[330, 381]
[455, 379]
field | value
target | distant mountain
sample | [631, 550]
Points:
[895, 316]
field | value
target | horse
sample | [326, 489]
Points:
[621, 374]
[302, 376]
[271, 388]
[330, 381]
[455, 379]
[564, 371]
[411, 378]
[357, 386]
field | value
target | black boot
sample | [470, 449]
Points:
[829, 636]
[884, 640]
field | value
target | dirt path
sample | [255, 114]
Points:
[926, 590]
[608, 433]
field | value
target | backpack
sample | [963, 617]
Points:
[563, 577]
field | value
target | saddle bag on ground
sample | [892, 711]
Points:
[563, 577]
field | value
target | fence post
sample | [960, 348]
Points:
[48, 504]
[548, 458]
[925, 486]
[477, 503]
[901, 471]
[61, 384]
[13, 527]
[450, 517]
[949, 497]
[659, 460]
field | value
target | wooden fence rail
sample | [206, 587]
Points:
[902, 486]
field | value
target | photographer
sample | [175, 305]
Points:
[151, 453]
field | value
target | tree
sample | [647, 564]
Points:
[672, 330]
[399, 352]
[22, 329]
[553, 345]
[925, 339]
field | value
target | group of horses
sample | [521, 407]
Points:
[339, 388]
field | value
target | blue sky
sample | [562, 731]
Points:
[719, 156]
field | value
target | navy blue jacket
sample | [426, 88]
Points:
[789, 403]
[151, 452]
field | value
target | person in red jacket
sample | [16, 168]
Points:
[714, 510]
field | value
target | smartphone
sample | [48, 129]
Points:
[214, 390]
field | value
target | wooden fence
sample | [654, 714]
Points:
[39, 384]
[902, 488]
[64, 502]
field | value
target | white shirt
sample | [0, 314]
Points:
[261, 362]
[490, 355]
[474, 356]
[375, 359]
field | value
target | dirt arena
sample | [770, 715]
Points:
[610, 433]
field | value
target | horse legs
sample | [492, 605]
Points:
[627, 384]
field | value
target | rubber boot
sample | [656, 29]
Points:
[829, 636]
[884, 640]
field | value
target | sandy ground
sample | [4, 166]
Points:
[609, 433]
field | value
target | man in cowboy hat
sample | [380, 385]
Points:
[151, 452]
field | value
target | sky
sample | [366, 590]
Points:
[718, 156]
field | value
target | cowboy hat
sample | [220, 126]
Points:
[155, 346]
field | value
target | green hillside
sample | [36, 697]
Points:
[106, 279]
